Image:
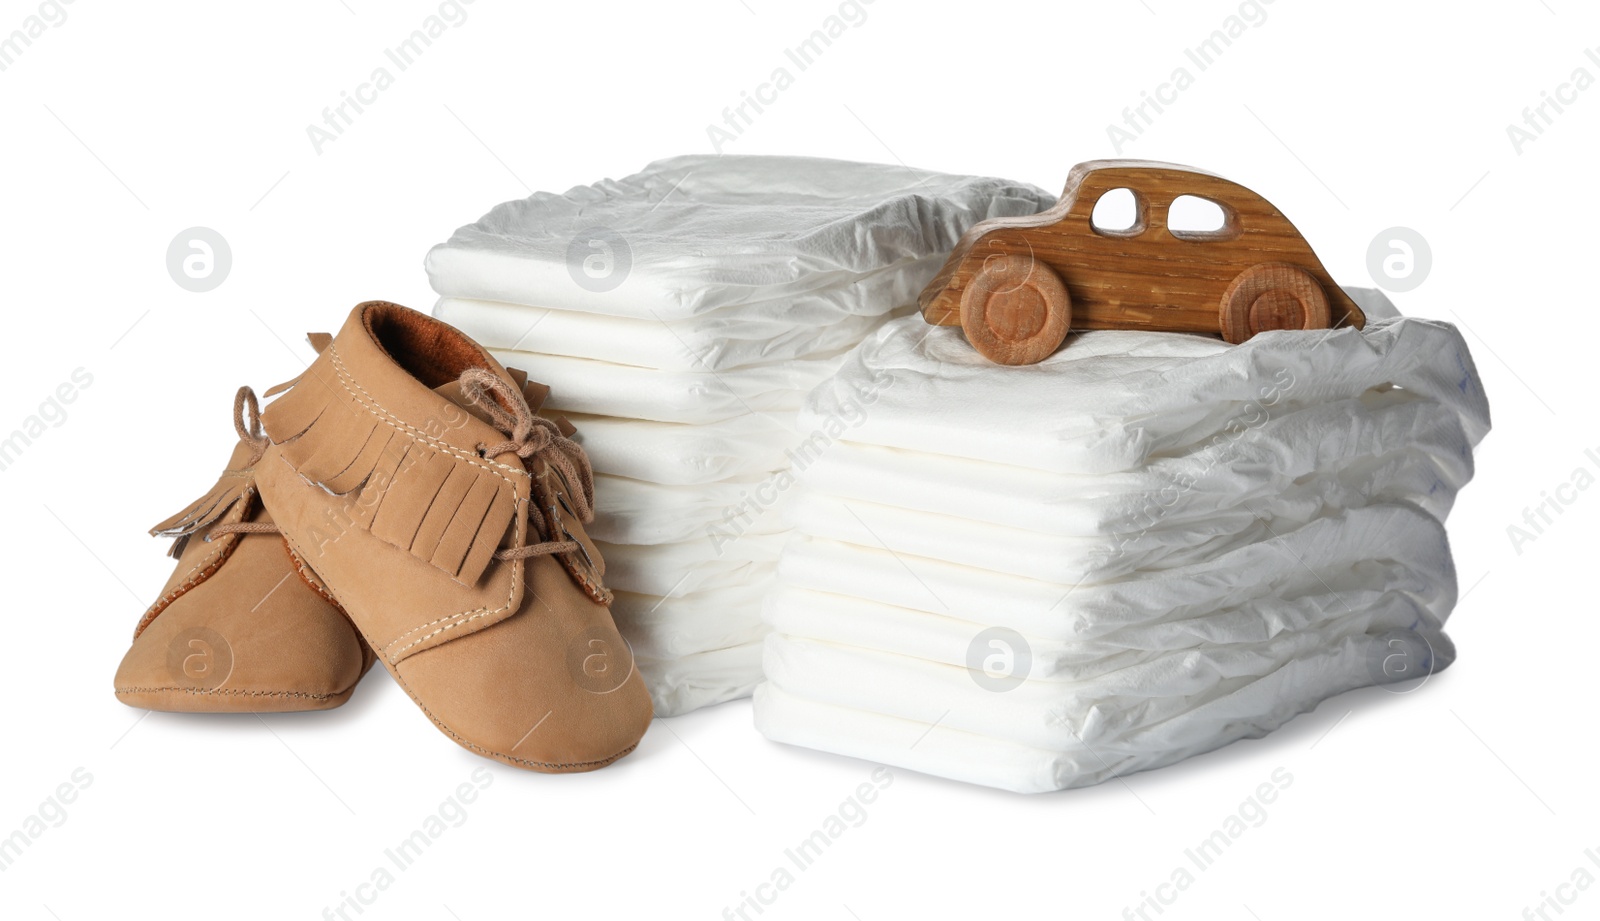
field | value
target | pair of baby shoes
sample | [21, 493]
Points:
[399, 502]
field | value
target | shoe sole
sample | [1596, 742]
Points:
[224, 700]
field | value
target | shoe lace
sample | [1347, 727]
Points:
[532, 436]
[247, 422]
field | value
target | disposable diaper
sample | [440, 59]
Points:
[1248, 712]
[729, 338]
[805, 614]
[582, 385]
[689, 566]
[1061, 715]
[683, 624]
[701, 679]
[1113, 400]
[677, 454]
[634, 512]
[1395, 547]
[1053, 526]
[694, 234]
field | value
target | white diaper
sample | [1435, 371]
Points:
[692, 235]
[1114, 400]
[682, 455]
[634, 512]
[582, 385]
[732, 337]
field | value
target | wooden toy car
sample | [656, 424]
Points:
[1016, 285]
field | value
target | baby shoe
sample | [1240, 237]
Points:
[408, 471]
[239, 627]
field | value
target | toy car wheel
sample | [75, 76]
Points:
[1272, 295]
[1015, 311]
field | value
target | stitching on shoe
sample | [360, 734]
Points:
[598, 762]
[520, 523]
[233, 692]
[370, 403]
[435, 633]
[470, 615]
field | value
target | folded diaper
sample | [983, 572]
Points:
[683, 624]
[1097, 713]
[1341, 454]
[582, 385]
[1112, 400]
[694, 234]
[1049, 557]
[732, 337]
[690, 566]
[634, 512]
[677, 454]
[690, 611]
[697, 648]
[689, 682]
[1250, 710]
[1390, 547]
[826, 617]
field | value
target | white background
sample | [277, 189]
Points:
[1466, 798]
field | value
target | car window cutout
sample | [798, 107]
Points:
[1118, 213]
[1191, 217]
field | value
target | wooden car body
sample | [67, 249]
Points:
[1148, 276]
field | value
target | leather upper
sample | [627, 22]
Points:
[381, 485]
[236, 627]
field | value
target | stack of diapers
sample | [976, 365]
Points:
[1143, 548]
[680, 316]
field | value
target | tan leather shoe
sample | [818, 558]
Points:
[238, 628]
[408, 471]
